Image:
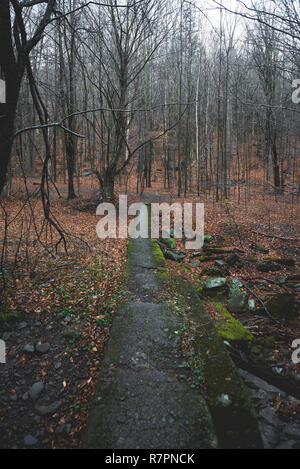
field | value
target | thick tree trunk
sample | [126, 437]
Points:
[12, 74]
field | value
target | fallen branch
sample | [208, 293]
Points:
[260, 302]
[281, 382]
[274, 236]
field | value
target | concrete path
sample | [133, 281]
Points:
[142, 399]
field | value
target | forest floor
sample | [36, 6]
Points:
[56, 313]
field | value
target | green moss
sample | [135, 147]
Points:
[230, 328]
[270, 341]
[236, 424]
[157, 254]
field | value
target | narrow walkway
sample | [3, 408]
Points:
[142, 399]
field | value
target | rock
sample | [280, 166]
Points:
[28, 348]
[43, 348]
[219, 263]
[169, 242]
[229, 328]
[282, 303]
[196, 264]
[48, 409]
[30, 440]
[258, 383]
[237, 301]
[291, 430]
[269, 414]
[57, 365]
[36, 390]
[212, 286]
[269, 435]
[251, 305]
[174, 255]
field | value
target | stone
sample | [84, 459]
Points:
[229, 328]
[269, 414]
[291, 430]
[282, 303]
[219, 263]
[30, 440]
[237, 301]
[174, 255]
[43, 348]
[269, 435]
[171, 243]
[35, 390]
[29, 348]
[196, 264]
[48, 409]
[251, 305]
[258, 383]
[212, 286]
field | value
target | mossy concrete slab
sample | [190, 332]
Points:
[142, 399]
[236, 422]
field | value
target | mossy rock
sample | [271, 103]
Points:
[237, 302]
[171, 243]
[215, 286]
[229, 328]
[196, 264]
[173, 255]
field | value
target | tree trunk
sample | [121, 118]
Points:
[12, 74]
